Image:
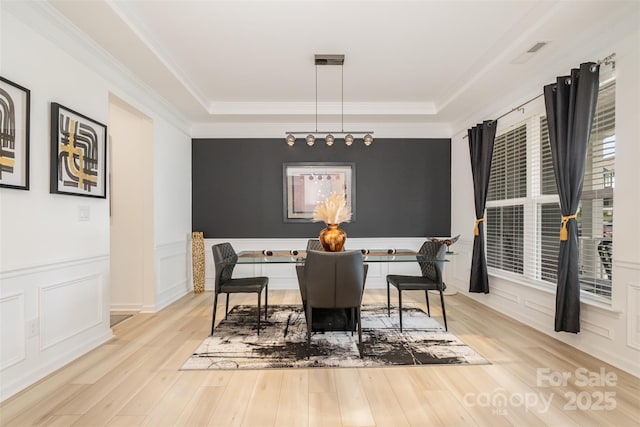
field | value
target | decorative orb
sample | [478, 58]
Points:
[291, 140]
[311, 140]
[329, 140]
[348, 139]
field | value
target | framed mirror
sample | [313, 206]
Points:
[307, 184]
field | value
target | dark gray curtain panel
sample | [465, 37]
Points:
[481, 139]
[570, 105]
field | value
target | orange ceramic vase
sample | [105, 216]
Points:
[332, 238]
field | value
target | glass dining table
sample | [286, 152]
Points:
[298, 257]
[328, 319]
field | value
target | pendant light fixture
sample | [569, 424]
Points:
[329, 136]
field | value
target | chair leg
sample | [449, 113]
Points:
[426, 294]
[359, 329]
[226, 307]
[388, 300]
[259, 298]
[353, 320]
[444, 313]
[309, 326]
[215, 306]
[400, 307]
[266, 301]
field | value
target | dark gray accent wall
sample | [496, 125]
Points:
[403, 187]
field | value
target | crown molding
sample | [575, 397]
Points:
[142, 33]
[46, 20]
[323, 108]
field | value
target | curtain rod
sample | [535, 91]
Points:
[609, 60]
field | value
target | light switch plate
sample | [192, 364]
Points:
[84, 213]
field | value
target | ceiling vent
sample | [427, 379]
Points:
[524, 57]
[536, 47]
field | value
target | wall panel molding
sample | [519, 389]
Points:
[54, 265]
[597, 329]
[12, 330]
[65, 302]
[172, 273]
[69, 308]
[547, 311]
[633, 315]
[509, 296]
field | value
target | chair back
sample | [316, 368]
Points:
[224, 258]
[334, 279]
[431, 250]
[314, 245]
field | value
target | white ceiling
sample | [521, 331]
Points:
[441, 62]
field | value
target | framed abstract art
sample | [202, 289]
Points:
[305, 184]
[78, 154]
[14, 135]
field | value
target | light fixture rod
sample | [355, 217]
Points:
[316, 95]
[327, 131]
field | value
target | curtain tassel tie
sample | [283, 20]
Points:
[563, 229]
[476, 230]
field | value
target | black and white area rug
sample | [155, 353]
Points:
[283, 342]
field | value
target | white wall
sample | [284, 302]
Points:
[131, 196]
[172, 213]
[54, 269]
[609, 333]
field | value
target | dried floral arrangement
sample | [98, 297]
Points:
[333, 210]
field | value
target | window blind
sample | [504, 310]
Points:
[505, 238]
[507, 186]
[508, 177]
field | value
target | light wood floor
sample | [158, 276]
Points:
[135, 380]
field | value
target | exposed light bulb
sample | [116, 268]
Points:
[311, 140]
[348, 139]
[291, 140]
[329, 140]
[368, 139]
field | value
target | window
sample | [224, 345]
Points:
[523, 213]
[507, 188]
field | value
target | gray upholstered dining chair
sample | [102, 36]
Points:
[224, 258]
[431, 278]
[314, 245]
[332, 280]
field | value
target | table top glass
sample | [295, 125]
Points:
[286, 257]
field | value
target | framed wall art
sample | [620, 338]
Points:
[78, 154]
[14, 135]
[307, 184]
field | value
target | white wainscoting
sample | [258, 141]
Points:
[633, 319]
[51, 314]
[13, 349]
[69, 308]
[172, 272]
[283, 276]
[611, 334]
